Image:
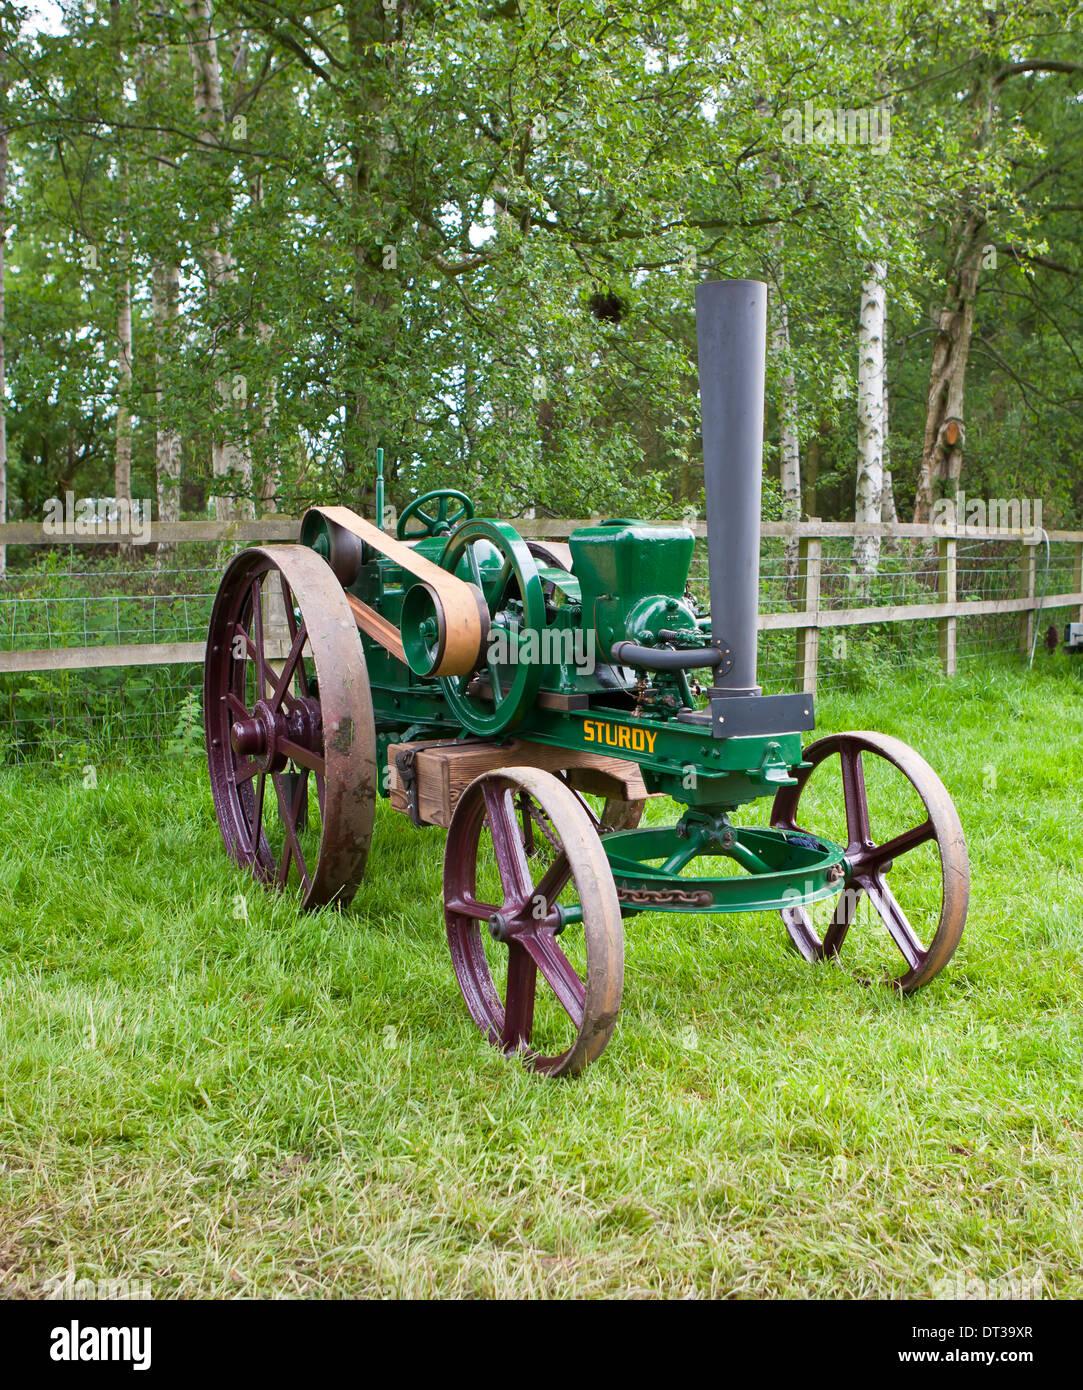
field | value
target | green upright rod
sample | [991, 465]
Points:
[380, 487]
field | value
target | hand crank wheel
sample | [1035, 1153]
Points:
[923, 850]
[291, 744]
[528, 893]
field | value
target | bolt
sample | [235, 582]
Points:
[498, 927]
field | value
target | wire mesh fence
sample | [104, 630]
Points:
[67, 598]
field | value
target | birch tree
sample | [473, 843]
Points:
[789, 448]
[870, 414]
[3, 304]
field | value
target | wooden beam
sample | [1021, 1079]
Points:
[808, 595]
[278, 528]
[946, 579]
[910, 612]
[269, 529]
[1028, 576]
[99, 658]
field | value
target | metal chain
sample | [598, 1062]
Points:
[538, 816]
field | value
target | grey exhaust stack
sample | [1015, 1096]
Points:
[731, 328]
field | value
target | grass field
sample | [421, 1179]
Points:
[203, 1089]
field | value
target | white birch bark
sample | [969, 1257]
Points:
[789, 449]
[122, 457]
[164, 289]
[3, 285]
[870, 413]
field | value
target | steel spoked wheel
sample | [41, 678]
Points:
[533, 920]
[291, 744]
[899, 821]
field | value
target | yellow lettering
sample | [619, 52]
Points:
[650, 740]
[609, 729]
[588, 730]
[637, 740]
[624, 737]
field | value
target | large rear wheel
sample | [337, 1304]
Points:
[291, 743]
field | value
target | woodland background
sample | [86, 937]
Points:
[246, 242]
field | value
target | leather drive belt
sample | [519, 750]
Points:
[460, 610]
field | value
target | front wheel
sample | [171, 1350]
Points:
[912, 833]
[528, 892]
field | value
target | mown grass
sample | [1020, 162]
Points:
[202, 1088]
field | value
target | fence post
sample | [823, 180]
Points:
[809, 551]
[1029, 587]
[1077, 582]
[946, 593]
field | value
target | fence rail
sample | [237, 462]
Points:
[811, 613]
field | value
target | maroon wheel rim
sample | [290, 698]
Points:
[870, 863]
[526, 921]
[281, 710]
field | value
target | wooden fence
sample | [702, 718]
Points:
[811, 615]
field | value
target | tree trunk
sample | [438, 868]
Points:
[945, 435]
[229, 459]
[870, 414]
[789, 449]
[164, 288]
[122, 459]
[889, 514]
[3, 274]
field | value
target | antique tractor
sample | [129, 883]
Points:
[530, 698]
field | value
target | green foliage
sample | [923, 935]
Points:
[472, 235]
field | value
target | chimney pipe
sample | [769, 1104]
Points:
[731, 328]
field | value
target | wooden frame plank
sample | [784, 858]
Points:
[100, 658]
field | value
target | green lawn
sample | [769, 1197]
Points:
[204, 1089]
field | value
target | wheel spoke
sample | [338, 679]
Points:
[257, 815]
[528, 823]
[553, 882]
[237, 705]
[286, 674]
[802, 933]
[854, 796]
[519, 997]
[245, 771]
[893, 917]
[508, 843]
[891, 849]
[301, 755]
[468, 907]
[841, 920]
[257, 632]
[287, 812]
[557, 969]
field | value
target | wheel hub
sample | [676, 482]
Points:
[259, 735]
